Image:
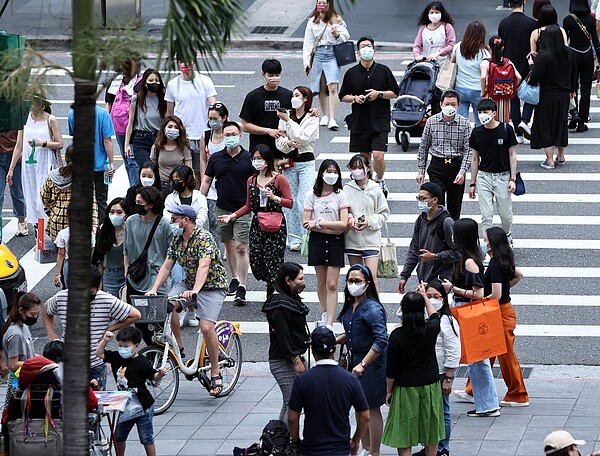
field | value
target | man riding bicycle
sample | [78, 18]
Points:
[204, 277]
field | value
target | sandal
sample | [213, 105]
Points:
[216, 386]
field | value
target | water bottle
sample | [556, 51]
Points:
[263, 198]
[107, 170]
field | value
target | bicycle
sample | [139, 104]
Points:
[164, 352]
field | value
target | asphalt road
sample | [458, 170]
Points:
[560, 287]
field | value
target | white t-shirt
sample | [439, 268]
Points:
[62, 240]
[326, 208]
[433, 41]
[191, 102]
[214, 148]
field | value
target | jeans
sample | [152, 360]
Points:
[141, 145]
[469, 98]
[16, 189]
[493, 187]
[133, 171]
[484, 388]
[144, 424]
[301, 178]
[284, 373]
[113, 280]
[177, 274]
[99, 373]
[101, 191]
[445, 443]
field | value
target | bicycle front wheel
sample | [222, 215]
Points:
[165, 390]
[231, 364]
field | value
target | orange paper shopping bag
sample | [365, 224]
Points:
[481, 332]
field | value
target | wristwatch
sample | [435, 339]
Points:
[380, 95]
[363, 364]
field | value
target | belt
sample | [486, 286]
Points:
[145, 133]
[304, 157]
[446, 160]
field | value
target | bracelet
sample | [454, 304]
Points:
[449, 379]
[472, 185]
[451, 290]
[380, 95]
[353, 98]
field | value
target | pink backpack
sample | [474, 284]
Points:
[119, 112]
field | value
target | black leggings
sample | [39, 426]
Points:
[585, 74]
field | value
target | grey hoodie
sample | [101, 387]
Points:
[62, 182]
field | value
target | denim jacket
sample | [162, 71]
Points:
[366, 329]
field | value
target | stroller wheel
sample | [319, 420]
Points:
[404, 141]
[397, 136]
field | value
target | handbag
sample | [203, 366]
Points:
[311, 58]
[447, 76]
[139, 268]
[519, 185]
[387, 265]
[344, 360]
[269, 222]
[481, 330]
[304, 244]
[344, 53]
[527, 92]
[56, 152]
[252, 450]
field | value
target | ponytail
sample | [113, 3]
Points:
[67, 170]
[24, 301]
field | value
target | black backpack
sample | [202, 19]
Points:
[275, 440]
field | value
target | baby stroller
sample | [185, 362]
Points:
[412, 107]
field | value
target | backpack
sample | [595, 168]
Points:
[439, 226]
[119, 112]
[501, 80]
[275, 440]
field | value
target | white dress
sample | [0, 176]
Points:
[33, 176]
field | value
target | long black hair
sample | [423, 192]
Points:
[371, 289]
[438, 6]
[287, 270]
[445, 309]
[106, 237]
[580, 7]
[501, 250]
[318, 187]
[554, 45]
[22, 303]
[154, 167]
[143, 92]
[466, 238]
[413, 313]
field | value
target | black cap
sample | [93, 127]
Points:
[322, 340]
[433, 189]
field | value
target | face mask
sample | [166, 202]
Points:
[330, 178]
[358, 174]
[30, 321]
[367, 53]
[116, 220]
[484, 118]
[178, 187]
[214, 124]
[423, 206]
[296, 102]
[449, 111]
[322, 8]
[153, 88]
[125, 352]
[176, 229]
[356, 289]
[259, 164]
[146, 181]
[172, 133]
[140, 209]
[232, 141]
[436, 303]
[435, 17]
[185, 69]
[273, 80]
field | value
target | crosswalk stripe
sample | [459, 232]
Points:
[553, 244]
[527, 198]
[517, 219]
[9, 230]
[34, 271]
[417, 140]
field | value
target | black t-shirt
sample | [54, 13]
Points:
[493, 274]
[372, 116]
[260, 108]
[232, 175]
[577, 38]
[326, 393]
[132, 373]
[515, 31]
[493, 146]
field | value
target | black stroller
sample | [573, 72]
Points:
[412, 107]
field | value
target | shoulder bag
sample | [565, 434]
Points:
[447, 76]
[269, 222]
[528, 92]
[519, 185]
[314, 49]
[345, 358]
[139, 268]
[387, 265]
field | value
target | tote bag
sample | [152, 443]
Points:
[519, 186]
[481, 331]
[387, 265]
[344, 53]
[447, 76]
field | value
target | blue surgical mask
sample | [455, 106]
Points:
[367, 53]
[232, 141]
[172, 133]
[125, 352]
[176, 229]
[423, 206]
[116, 220]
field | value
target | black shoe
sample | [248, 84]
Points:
[421, 452]
[572, 124]
[581, 127]
[233, 286]
[240, 296]
[443, 453]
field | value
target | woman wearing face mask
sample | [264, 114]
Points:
[17, 342]
[368, 213]
[324, 30]
[109, 246]
[184, 192]
[149, 177]
[326, 217]
[148, 108]
[434, 41]
[298, 143]
[268, 193]
[170, 150]
[364, 321]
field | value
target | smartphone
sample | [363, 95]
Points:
[282, 110]
[361, 219]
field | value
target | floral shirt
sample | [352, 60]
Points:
[201, 245]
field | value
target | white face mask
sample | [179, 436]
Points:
[146, 181]
[356, 289]
[449, 111]
[435, 17]
[436, 303]
[358, 174]
[484, 118]
[259, 164]
[330, 178]
[296, 102]
[273, 79]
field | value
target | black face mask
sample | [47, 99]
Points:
[30, 321]
[153, 88]
[140, 209]
[178, 187]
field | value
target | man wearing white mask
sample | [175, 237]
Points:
[494, 167]
[446, 138]
[369, 86]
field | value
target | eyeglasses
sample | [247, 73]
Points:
[355, 281]
[216, 106]
[422, 200]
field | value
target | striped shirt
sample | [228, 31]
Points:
[104, 309]
[444, 139]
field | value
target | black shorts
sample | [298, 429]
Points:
[368, 142]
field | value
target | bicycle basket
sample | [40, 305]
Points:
[152, 308]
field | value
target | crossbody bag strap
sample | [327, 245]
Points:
[583, 28]
[152, 231]
[319, 38]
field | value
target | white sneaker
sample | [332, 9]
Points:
[513, 404]
[520, 139]
[332, 125]
[463, 396]
[324, 121]
[22, 229]
[524, 128]
[183, 318]
[192, 320]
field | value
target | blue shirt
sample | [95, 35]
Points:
[365, 328]
[104, 130]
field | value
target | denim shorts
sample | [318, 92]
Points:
[145, 428]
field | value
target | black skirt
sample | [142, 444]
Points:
[550, 122]
[326, 249]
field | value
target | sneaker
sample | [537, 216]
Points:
[513, 404]
[546, 165]
[581, 128]
[421, 452]
[384, 188]
[520, 139]
[233, 286]
[332, 125]
[524, 128]
[510, 241]
[192, 320]
[491, 413]
[295, 247]
[443, 452]
[463, 396]
[240, 296]
[324, 121]
[22, 229]
[183, 318]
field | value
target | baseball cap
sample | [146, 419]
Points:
[322, 340]
[184, 210]
[559, 440]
